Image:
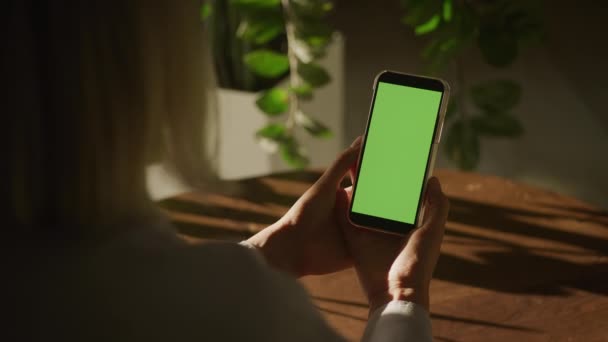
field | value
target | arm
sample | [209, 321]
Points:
[315, 237]
[398, 319]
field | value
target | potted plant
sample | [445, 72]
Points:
[278, 65]
[498, 29]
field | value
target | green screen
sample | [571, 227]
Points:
[397, 146]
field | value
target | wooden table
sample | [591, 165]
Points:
[518, 263]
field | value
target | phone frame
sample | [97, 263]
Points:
[408, 80]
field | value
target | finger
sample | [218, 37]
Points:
[424, 244]
[342, 206]
[429, 236]
[349, 192]
[352, 172]
[357, 141]
[334, 174]
[437, 206]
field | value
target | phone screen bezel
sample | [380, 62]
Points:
[384, 224]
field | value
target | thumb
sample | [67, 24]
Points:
[437, 207]
[342, 205]
[334, 174]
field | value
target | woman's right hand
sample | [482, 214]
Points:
[391, 267]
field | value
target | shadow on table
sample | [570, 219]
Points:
[487, 214]
[177, 205]
[509, 267]
[221, 221]
[578, 212]
[515, 268]
[256, 190]
[433, 315]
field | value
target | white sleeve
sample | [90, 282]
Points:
[398, 321]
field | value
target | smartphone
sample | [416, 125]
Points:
[398, 152]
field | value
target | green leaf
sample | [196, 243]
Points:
[464, 25]
[449, 45]
[317, 42]
[447, 10]
[431, 49]
[271, 136]
[313, 31]
[441, 50]
[256, 4]
[436, 59]
[428, 26]
[496, 96]
[303, 91]
[312, 126]
[327, 6]
[313, 35]
[497, 46]
[206, 10]
[313, 74]
[316, 9]
[272, 131]
[421, 11]
[462, 145]
[274, 101]
[526, 23]
[317, 46]
[293, 154]
[267, 63]
[260, 30]
[501, 125]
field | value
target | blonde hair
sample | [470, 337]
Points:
[97, 90]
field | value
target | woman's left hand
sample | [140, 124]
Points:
[308, 238]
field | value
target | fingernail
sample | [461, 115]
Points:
[357, 141]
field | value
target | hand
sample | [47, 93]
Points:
[395, 268]
[308, 239]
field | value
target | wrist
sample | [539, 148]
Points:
[415, 296]
[276, 243]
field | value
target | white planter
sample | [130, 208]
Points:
[240, 155]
